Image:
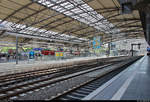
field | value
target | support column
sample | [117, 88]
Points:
[109, 47]
[16, 49]
[132, 49]
[148, 27]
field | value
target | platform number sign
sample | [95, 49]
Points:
[96, 42]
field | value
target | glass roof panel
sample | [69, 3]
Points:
[81, 11]
[37, 31]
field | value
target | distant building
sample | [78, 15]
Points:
[126, 45]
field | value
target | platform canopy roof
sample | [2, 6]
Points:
[73, 21]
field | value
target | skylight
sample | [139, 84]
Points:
[80, 11]
[37, 32]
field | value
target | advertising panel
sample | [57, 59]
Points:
[96, 42]
[59, 54]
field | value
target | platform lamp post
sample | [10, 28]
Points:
[109, 47]
[16, 49]
[148, 26]
[90, 43]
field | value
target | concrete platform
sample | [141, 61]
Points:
[11, 67]
[131, 84]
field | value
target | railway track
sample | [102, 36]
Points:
[84, 89]
[10, 79]
[32, 73]
[41, 72]
[12, 90]
[19, 88]
[20, 77]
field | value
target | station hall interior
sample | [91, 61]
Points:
[74, 50]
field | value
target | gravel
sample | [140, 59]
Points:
[59, 87]
[54, 89]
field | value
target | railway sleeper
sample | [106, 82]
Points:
[82, 92]
[70, 97]
[78, 94]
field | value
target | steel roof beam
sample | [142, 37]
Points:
[75, 15]
[73, 12]
[85, 10]
[96, 22]
[52, 22]
[71, 15]
[125, 34]
[36, 23]
[128, 31]
[36, 12]
[111, 38]
[116, 34]
[63, 14]
[120, 24]
[79, 29]
[44, 37]
[14, 13]
[131, 26]
[61, 24]
[66, 10]
[122, 20]
[17, 11]
[110, 8]
[84, 34]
